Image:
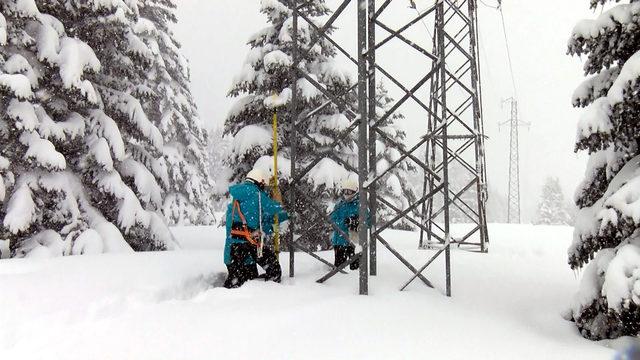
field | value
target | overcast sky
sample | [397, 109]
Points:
[214, 34]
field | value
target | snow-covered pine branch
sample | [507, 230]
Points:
[167, 101]
[606, 230]
[71, 181]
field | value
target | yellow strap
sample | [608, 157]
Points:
[276, 191]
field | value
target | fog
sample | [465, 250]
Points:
[213, 34]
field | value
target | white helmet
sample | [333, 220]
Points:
[349, 184]
[259, 176]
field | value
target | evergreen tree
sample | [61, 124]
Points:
[34, 74]
[168, 103]
[219, 150]
[553, 209]
[395, 189]
[605, 235]
[67, 109]
[265, 82]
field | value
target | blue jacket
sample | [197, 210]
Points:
[343, 211]
[247, 194]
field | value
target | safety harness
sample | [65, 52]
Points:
[243, 232]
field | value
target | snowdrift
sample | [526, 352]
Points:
[506, 305]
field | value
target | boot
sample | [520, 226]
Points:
[269, 262]
[355, 265]
[351, 252]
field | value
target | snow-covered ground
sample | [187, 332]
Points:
[506, 305]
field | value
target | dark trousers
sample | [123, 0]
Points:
[242, 268]
[344, 254]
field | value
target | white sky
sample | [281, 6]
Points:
[214, 34]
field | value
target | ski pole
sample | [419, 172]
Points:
[276, 191]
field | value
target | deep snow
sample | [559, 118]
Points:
[506, 305]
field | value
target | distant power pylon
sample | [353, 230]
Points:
[514, 162]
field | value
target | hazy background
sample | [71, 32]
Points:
[214, 34]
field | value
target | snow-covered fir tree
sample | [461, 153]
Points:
[553, 209]
[394, 188]
[33, 74]
[606, 238]
[74, 139]
[264, 83]
[167, 101]
[219, 149]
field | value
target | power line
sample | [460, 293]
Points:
[514, 123]
[498, 7]
[423, 22]
[506, 42]
[491, 6]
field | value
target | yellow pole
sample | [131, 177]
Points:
[276, 191]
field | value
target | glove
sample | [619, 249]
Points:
[256, 236]
[352, 223]
[277, 196]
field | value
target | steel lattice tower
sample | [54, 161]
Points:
[455, 91]
[451, 110]
[514, 162]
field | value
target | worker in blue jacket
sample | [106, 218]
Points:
[345, 217]
[248, 216]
